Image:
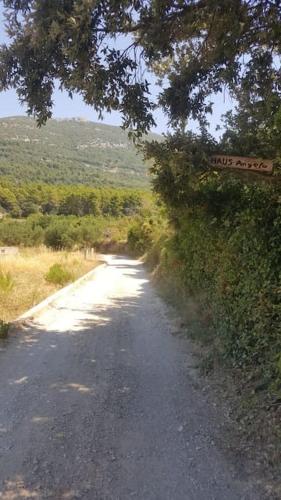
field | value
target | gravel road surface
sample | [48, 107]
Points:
[99, 400]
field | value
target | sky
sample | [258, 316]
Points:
[64, 107]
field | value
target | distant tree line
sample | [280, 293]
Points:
[22, 200]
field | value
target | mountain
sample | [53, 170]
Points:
[70, 152]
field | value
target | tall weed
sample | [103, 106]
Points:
[6, 282]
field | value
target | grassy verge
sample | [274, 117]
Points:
[24, 277]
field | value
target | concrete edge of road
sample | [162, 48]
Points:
[39, 308]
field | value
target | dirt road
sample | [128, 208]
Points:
[99, 400]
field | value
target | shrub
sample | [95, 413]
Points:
[58, 236]
[20, 233]
[140, 236]
[59, 275]
[60, 232]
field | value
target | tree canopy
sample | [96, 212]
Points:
[197, 47]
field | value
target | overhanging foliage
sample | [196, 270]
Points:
[198, 46]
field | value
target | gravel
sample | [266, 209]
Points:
[100, 400]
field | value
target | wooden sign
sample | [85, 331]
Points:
[244, 163]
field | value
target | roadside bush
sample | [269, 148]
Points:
[59, 275]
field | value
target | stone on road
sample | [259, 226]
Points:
[98, 401]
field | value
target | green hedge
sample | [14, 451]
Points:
[226, 254]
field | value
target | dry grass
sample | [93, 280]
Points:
[27, 271]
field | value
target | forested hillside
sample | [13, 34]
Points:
[69, 152]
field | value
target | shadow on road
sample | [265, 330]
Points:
[52, 373]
